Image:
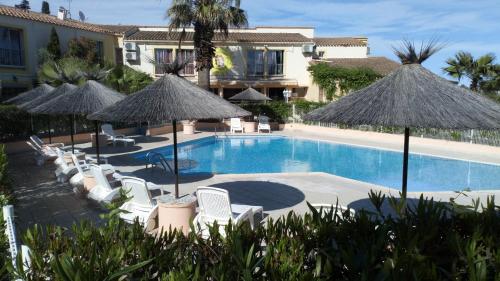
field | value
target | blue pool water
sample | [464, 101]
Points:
[275, 154]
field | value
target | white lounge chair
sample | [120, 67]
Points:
[263, 124]
[63, 171]
[236, 125]
[102, 192]
[215, 206]
[42, 155]
[107, 130]
[35, 139]
[141, 205]
[82, 167]
[328, 207]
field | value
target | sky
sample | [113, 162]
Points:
[469, 25]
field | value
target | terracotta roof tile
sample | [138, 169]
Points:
[381, 65]
[39, 17]
[233, 36]
[339, 41]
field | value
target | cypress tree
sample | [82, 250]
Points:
[45, 7]
[25, 5]
[54, 46]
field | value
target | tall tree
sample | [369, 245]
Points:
[45, 7]
[207, 17]
[463, 64]
[25, 5]
[54, 47]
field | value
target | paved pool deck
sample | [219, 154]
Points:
[40, 199]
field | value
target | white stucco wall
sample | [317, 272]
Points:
[343, 52]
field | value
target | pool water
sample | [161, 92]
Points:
[276, 154]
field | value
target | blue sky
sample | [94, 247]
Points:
[470, 25]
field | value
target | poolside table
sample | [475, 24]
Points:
[249, 127]
[79, 155]
[176, 213]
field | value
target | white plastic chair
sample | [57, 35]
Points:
[263, 124]
[82, 166]
[63, 171]
[102, 192]
[236, 125]
[107, 129]
[35, 139]
[215, 206]
[141, 205]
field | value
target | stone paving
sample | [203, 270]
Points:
[40, 199]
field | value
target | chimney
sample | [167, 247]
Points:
[62, 14]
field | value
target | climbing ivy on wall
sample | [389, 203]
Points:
[339, 81]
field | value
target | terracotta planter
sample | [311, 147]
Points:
[176, 213]
[250, 127]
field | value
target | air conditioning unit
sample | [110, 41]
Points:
[131, 56]
[308, 48]
[130, 47]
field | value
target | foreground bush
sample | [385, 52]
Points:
[421, 241]
[4, 200]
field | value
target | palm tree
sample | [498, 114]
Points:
[207, 17]
[463, 64]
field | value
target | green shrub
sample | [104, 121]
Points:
[127, 80]
[277, 111]
[421, 240]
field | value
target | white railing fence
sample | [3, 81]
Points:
[10, 232]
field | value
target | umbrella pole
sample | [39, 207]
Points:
[96, 124]
[176, 167]
[405, 161]
[72, 129]
[50, 133]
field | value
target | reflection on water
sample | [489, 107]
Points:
[237, 155]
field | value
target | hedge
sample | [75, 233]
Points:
[420, 240]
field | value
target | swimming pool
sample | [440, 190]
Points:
[276, 154]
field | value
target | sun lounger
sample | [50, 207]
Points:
[83, 166]
[236, 125]
[215, 206]
[141, 205]
[102, 192]
[63, 171]
[42, 155]
[35, 139]
[263, 124]
[107, 130]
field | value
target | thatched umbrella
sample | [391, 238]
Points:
[30, 95]
[170, 98]
[412, 97]
[86, 99]
[61, 90]
[250, 94]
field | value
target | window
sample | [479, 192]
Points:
[255, 62]
[321, 54]
[162, 56]
[275, 62]
[11, 47]
[187, 56]
[99, 48]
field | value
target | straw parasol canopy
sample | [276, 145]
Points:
[88, 98]
[412, 96]
[167, 99]
[170, 98]
[30, 95]
[249, 94]
[63, 89]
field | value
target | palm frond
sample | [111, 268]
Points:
[408, 53]
[174, 67]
